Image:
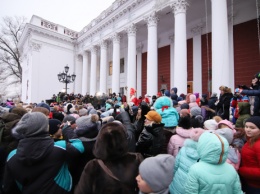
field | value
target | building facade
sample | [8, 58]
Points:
[149, 45]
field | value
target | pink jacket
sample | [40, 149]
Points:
[235, 159]
[176, 141]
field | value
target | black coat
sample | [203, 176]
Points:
[151, 140]
[224, 105]
[39, 166]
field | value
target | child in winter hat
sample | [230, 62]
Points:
[225, 123]
[210, 124]
[156, 174]
[54, 129]
[164, 107]
[226, 130]
[186, 157]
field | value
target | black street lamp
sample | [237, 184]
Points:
[66, 78]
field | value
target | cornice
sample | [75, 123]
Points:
[116, 11]
[29, 29]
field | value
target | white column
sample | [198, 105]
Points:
[231, 54]
[93, 71]
[79, 74]
[171, 61]
[85, 80]
[116, 63]
[180, 50]
[152, 55]
[197, 61]
[103, 66]
[220, 51]
[139, 70]
[131, 63]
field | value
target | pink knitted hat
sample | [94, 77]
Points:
[227, 123]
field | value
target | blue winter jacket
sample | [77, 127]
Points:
[212, 174]
[186, 157]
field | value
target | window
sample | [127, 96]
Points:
[122, 91]
[110, 91]
[110, 68]
[122, 65]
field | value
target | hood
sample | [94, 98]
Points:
[175, 90]
[244, 108]
[183, 132]
[191, 149]
[34, 149]
[162, 102]
[192, 98]
[7, 117]
[210, 148]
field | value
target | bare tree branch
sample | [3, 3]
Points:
[11, 29]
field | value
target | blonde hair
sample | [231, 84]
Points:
[217, 118]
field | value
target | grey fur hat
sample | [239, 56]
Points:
[33, 124]
[158, 171]
[195, 111]
[226, 133]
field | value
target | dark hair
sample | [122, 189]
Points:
[185, 122]
[111, 142]
[197, 121]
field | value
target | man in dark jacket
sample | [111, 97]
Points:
[151, 139]
[254, 91]
[38, 165]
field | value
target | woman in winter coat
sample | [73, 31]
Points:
[250, 167]
[143, 109]
[115, 169]
[223, 105]
[187, 156]
[212, 174]
[151, 140]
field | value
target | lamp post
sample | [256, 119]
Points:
[66, 78]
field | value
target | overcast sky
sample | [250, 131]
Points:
[73, 14]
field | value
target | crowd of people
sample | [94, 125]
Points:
[164, 143]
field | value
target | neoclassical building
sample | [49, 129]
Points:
[149, 45]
